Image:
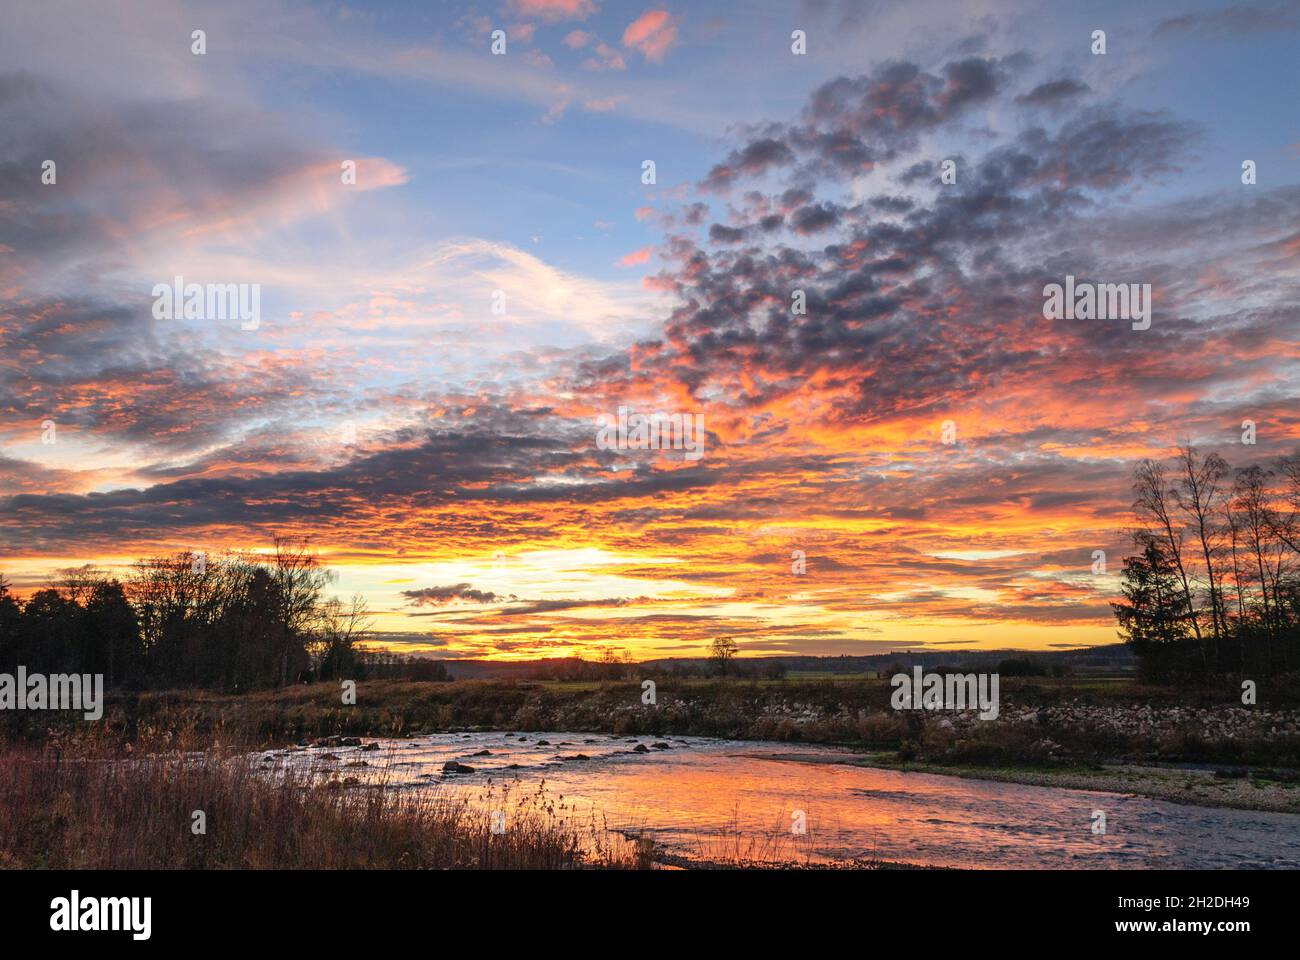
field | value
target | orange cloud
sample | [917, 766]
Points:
[636, 257]
[653, 33]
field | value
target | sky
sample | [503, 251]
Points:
[913, 457]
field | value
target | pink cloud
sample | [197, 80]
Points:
[653, 33]
[608, 59]
[553, 10]
[636, 257]
[659, 284]
[577, 39]
[599, 106]
[556, 112]
[373, 173]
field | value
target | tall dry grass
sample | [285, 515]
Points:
[100, 808]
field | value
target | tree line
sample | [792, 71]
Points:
[1214, 585]
[234, 622]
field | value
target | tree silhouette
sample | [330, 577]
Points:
[724, 650]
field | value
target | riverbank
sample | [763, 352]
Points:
[1204, 786]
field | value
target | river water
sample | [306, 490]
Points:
[706, 799]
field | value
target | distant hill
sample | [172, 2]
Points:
[1111, 658]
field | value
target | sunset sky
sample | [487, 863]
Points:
[442, 456]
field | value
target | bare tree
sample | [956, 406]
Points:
[1200, 493]
[1251, 502]
[340, 627]
[1236, 546]
[299, 580]
[1152, 504]
[1286, 525]
[78, 583]
[724, 651]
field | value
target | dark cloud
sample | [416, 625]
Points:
[1053, 93]
[815, 218]
[719, 233]
[438, 596]
[885, 293]
[900, 99]
[1237, 20]
[851, 124]
[754, 159]
[695, 214]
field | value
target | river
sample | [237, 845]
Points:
[707, 799]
